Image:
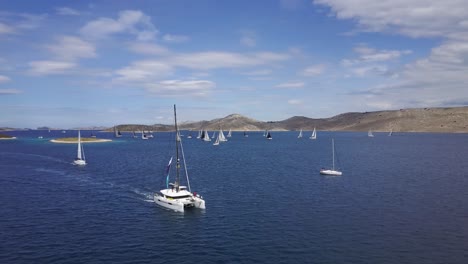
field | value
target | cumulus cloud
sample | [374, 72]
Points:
[294, 102]
[371, 55]
[175, 38]
[47, 67]
[146, 71]
[148, 48]
[9, 91]
[129, 21]
[216, 60]
[248, 38]
[182, 88]
[6, 29]
[66, 11]
[414, 18]
[70, 48]
[4, 79]
[313, 70]
[291, 85]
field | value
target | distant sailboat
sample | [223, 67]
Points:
[143, 135]
[199, 134]
[229, 133]
[300, 134]
[268, 136]
[221, 136]
[206, 137]
[314, 134]
[92, 135]
[265, 133]
[190, 135]
[391, 132]
[332, 171]
[217, 141]
[117, 132]
[134, 135]
[80, 156]
[214, 134]
[245, 134]
[369, 134]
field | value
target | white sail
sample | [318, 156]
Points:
[230, 133]
[391, 132]
[314, 134]
[199, 134]
[221, 136]
[300, 134]
[369, 134]
[80, 157]
[206, 137]
[217, 141]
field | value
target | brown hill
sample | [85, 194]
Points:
[450, 120]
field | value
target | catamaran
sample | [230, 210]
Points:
[175, 196]
[314, 134]
[332, 171]
[80, 156]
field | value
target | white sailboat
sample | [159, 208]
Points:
[229, 133]
[217, 141]
[117, 132]
[369, 134]
[221, 136]
[391, 133]
[268, 136]
[245, 134]
[300, 134]
[314, 134]
[80, 156]
[206, 137]
[332, 171]
[214, 134]
[175, 196]
[143, 135]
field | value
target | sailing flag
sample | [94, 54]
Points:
[167, 173]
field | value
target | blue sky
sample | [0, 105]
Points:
[92, 63]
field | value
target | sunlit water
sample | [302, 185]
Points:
[401, 199]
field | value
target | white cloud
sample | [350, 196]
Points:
[258, 72]
[129, 21]
[295, 102]
[370, 55]
[70, 48]
[291, 85]
[175, 38]
[4, 79]
[248, 38]
[182, 88]
[414, 18]
[9, 91]
[313, 70]
[47, 67]
[5, 29]
[148, 48]
[143, 71]
[66, 11]
[216, 60]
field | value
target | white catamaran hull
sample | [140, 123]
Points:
[79, 162]
[179, 205]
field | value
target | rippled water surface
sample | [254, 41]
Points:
[401, 199]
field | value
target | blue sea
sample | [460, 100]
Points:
[401, 199]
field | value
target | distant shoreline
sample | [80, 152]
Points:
[69, 141]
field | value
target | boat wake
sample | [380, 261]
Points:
[13, 154]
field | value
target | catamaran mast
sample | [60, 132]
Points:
[333, 151]
[177, 150]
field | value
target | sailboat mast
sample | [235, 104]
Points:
[333, 151]
[177, 150]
